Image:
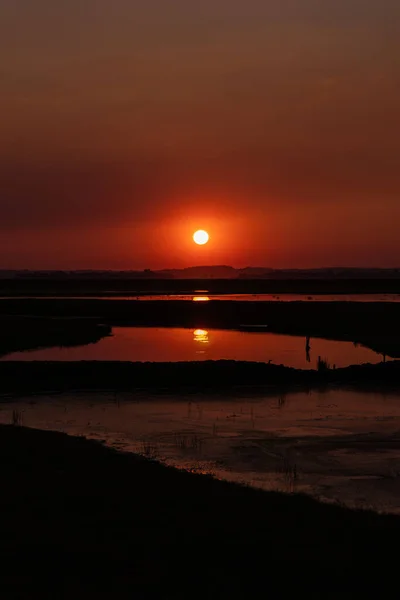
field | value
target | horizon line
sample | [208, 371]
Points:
[193, 267]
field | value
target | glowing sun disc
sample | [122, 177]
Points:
[201, 237]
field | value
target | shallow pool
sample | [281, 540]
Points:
[177, 344]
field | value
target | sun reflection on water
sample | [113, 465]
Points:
[201, 336]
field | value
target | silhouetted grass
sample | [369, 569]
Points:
[149, 450]
[290, 473]
[16, 418]
[188, 442]
[322, 365]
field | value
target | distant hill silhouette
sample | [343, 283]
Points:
[211, 272]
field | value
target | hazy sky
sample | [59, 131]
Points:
[127, 124]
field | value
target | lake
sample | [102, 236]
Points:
[179, 344]
[338, 445]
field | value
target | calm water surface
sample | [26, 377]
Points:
[169, 344]
[204, 296]
[341, 445]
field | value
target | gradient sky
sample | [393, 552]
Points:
[127, 124]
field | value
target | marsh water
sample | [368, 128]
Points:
[204, 296]
[338, 445]
[178, 344]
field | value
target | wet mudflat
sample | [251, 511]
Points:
[339, 446]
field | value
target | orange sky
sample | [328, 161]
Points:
[125, 126]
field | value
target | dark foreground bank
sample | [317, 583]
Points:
[42, 376]
[79, 520]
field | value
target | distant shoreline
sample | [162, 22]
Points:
[57, 285]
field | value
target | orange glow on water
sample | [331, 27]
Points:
[201, 336]
[178, 344]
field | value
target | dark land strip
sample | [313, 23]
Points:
[80, 520]
[195, 377]
[66, 284]
[18, 334]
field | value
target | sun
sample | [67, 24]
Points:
[201, 237]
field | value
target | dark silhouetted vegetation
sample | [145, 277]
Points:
[16, 418]
[322, 365]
